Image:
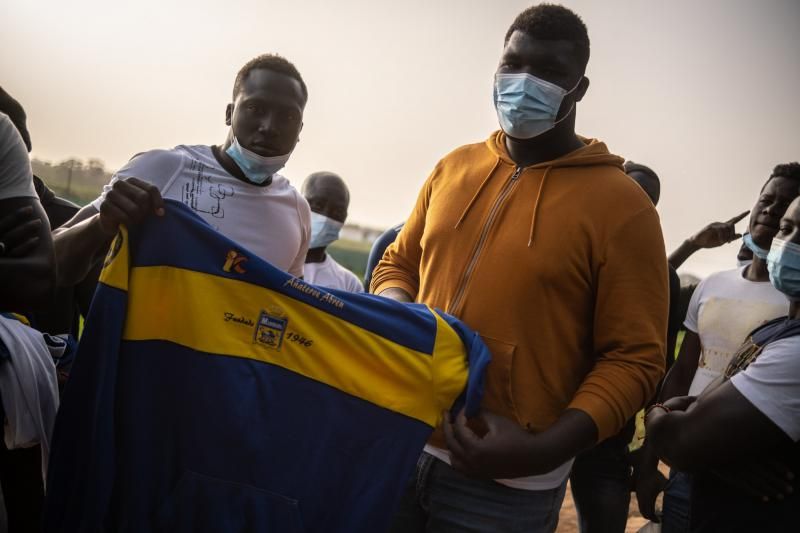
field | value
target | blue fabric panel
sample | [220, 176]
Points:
[235, 437]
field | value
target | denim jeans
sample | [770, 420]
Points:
[677, 503]
[441, 500]
[601, 486]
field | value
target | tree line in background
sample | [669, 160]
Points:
[75, 179]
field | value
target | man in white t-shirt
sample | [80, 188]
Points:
[234, 187]
[328, 197]
[724, 308]
[27, 271]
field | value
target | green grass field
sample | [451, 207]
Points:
[352, 255]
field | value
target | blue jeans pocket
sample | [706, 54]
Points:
[204, 504]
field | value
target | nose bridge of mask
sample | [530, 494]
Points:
[783, 264]
[786, 249]
[522, 83]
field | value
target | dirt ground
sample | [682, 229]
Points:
[568, 520]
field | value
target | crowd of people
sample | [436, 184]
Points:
[542, 241]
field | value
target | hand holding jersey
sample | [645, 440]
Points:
[128, 202]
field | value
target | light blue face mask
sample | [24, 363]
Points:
[527, 106]
[257, 168]
[783, 263]
[756, 249]
[324, 230]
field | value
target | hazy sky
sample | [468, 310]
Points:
[705, 92]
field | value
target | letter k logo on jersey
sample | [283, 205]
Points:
[234, 261]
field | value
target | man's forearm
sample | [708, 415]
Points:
[78, 248]
[573, 432]
[682, 253]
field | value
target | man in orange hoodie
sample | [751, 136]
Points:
[538, 240]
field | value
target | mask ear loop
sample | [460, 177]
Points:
[572, 107]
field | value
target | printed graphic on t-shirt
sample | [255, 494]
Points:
[724, 325]
[202, 194]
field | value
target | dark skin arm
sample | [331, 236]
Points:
[712, 236]
[84, 239]
[27, 265]
[648, 481]
[700, 437]
[502, 449]
[679, 378]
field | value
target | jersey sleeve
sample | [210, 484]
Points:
[16, 178]
[772, 384]
[158, 167]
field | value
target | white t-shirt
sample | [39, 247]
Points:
[724, 309]
[547, 481]
[332, 275]
[273, 222]
[772, 384]
[16, 178]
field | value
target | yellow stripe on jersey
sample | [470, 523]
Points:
[235, 318]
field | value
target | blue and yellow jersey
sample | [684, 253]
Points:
[213, 392]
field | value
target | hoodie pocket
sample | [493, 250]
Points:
[498, 396]
[204, 504]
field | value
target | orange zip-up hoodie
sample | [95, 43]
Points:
[560, 266]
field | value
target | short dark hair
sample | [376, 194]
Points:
[630, 166]
[785, 170]
[553, 22]
[653, 188]
[272, 62]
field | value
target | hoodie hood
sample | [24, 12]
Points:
[593, 153]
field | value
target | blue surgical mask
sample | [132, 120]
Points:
[756, 249]
[783, 263]
[527, 106]
[324, 230]
[257, 168]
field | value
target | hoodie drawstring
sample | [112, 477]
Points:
[477, 193]
[536, 205]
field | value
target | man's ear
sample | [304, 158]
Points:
[583, 86]
[228, 114]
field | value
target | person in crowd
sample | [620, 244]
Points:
[376, 252]
[27, 272]
[601, 476]
[526, 238]
[69, 303]
[27, 279]
[751, 413]
[724, 308]
[328, 198]
[234, 187]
